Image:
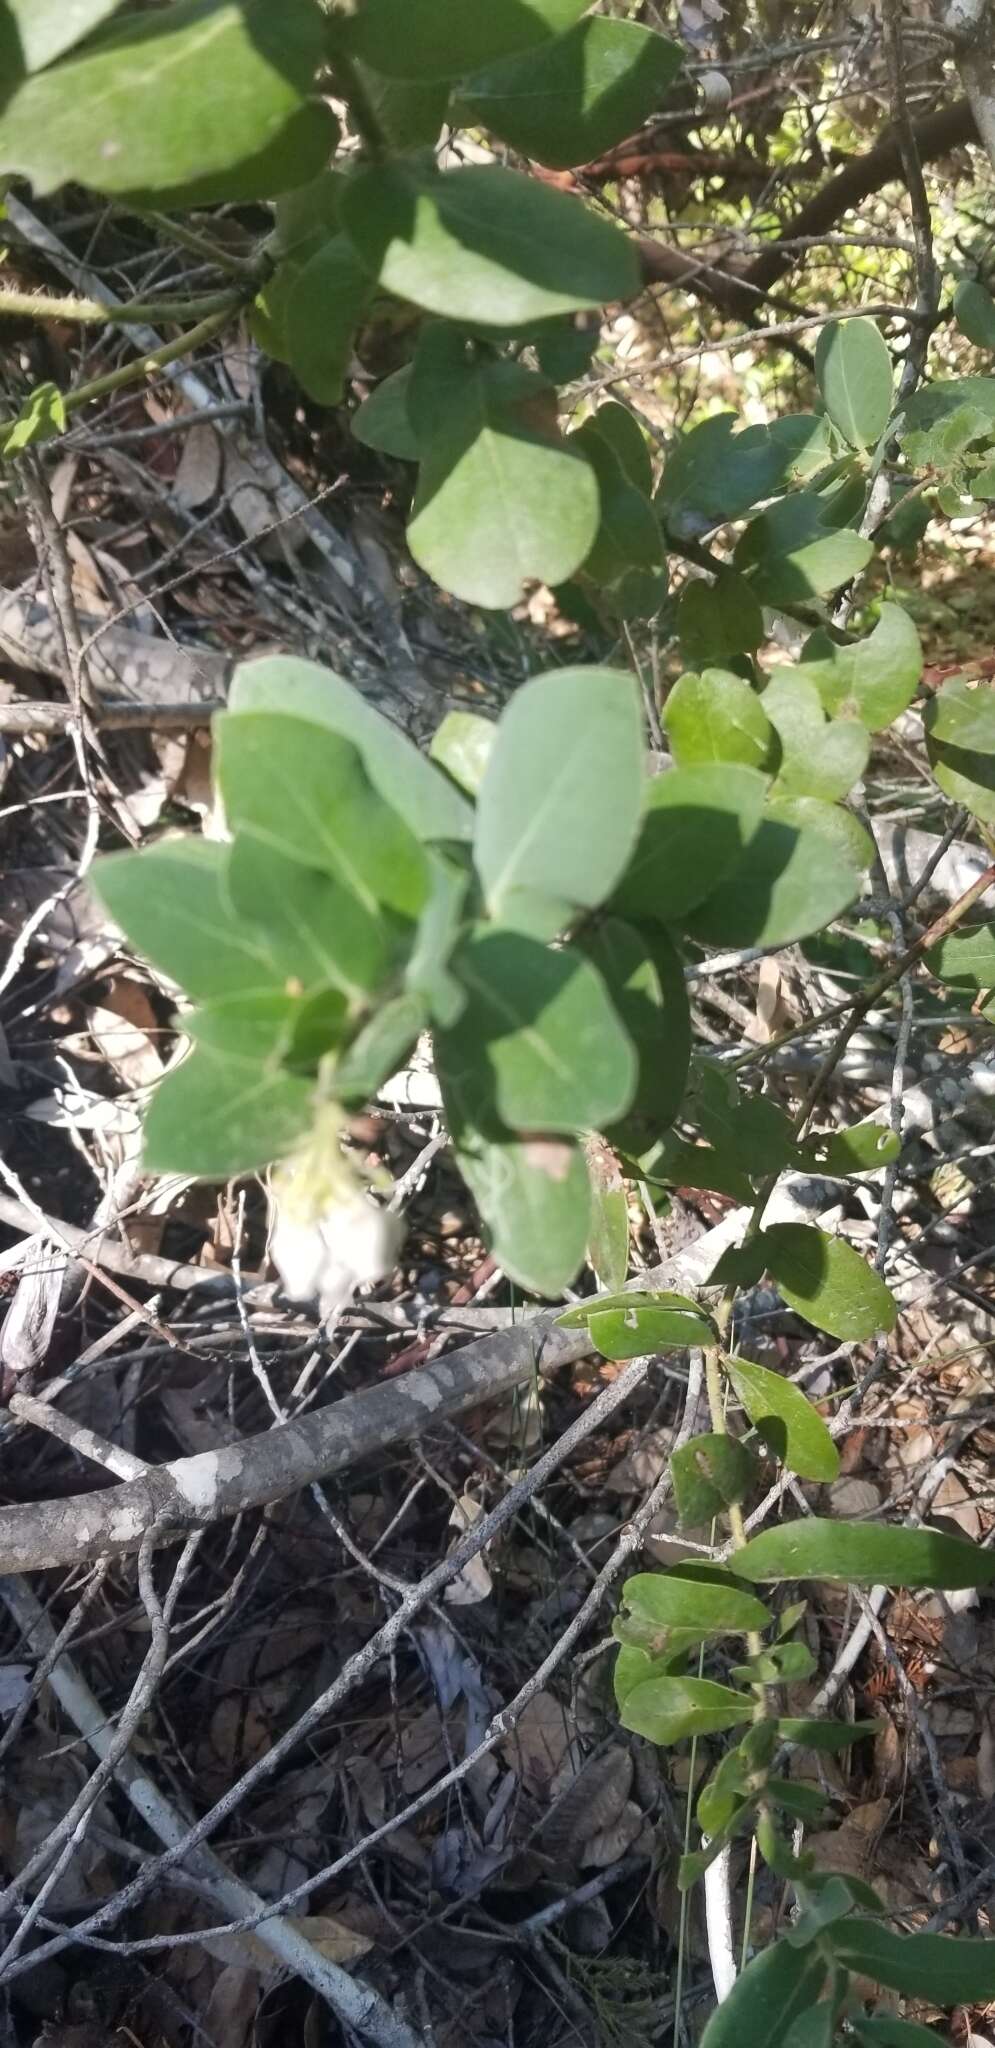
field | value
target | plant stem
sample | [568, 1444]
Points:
[39, 306]
[200, 244]
[353, 91]
[146, 366]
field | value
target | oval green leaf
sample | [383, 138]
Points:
[667, 1709]
[946, 1969]
[571, 100]
[827, 1281]
[854, 374]
[669, 1601]
[431, 39]
[865, 1554]
[786, 1420]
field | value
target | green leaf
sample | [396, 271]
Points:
[408, 112]
[974, 312]
[484, 245]
[619, 427]
[316, 928]
[634, 1666]
[717, 619]
[608, 1244]
[717, 717]
[791, 557]
[43, 30]
[789, 882]
[827, 1736]
[842, 832]
[560, 800]
[710, 1473]
[966, 957]
[766, 1998]
[802, 1802]
[303, 791]
[628, 535]
[579, 1316]
[574, 98]
[462, 746]
[885, 2031]
[946, 1969]
[726, 1794]
[668, 1600]
[646, 984]
[749, 1130]
[818, 757]
[426, 800]
[538, 1046]
[781, 1664]
[327, 301]
[380, 1048]
[960, 743]
[428, 39]
[854, 374]
[827, 1282]
[786, 1420]
[696, 824]
[382, 421]
[427, 973]
[865, 1554]
[633, 1333]
[836, 1899]
[171, 903]
[534, 1197]
[217, 1115]
[864, 1148]
[686, 1165]
[875, 679]
[667, 1709]
[714, 474]
[42, 416]
[275, 1027]
[136, 112]
[502, 498]
[564, 347]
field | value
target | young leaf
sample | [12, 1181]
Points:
[864, 1148]
[668, 1600]
[326, 303]
[171, 903]
[303, 791]
[725, 1794]
[768, 1996]
[382, 421]
[717, 717]
[960, 742]
[135, 113]
[827, 1281]
[781, 1664]
[574, 98]
[786, 1420]
[502, 498]
[696, 824]
[974, 312]
[535, 1199]
[427, 973]
[538, 1046]
[710, 1473]
[559, 804]
[787, 883]
[667, 1709]
[854, 374]
[484, 245]
[629, 1333]
[430, 39]
[966, 957]
[946, 1969]
[865, 1554]
[645, 981]
[216, 1115]
[426, 800]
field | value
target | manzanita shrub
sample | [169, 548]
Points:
[529, 896]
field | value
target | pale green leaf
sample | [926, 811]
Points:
[215, 1115]
[974, 312]
[696, 824]
[171, 903]
[462, 746]
[875, 679]
[42, 30]
[316, 928]
[668, 1600]
[863, 1148]
[559, 804]
[645, 981]
[710, 1473]
[380, 1048]
[855, 377]
[960, 742]
[819, 757]
[534, 1197]
[667, 1709]
[717, 717]
[789, 881]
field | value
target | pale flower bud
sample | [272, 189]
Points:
[328, 1237]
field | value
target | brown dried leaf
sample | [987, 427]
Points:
[199, 471]
[540, 1744]
[592, 1806]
